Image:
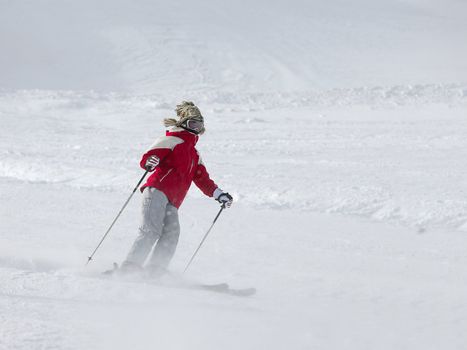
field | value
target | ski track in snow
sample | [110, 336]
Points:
[401, 289]
[394, 157]
[326, 272]
[67, 162]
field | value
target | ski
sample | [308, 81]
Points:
[221, 288]
[111, 271]
[226, 289]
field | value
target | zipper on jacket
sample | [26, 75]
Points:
[191, 167]
[163, 177]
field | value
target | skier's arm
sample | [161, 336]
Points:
[158, 153]
[203, 181]
[209, 188]
[160, 149]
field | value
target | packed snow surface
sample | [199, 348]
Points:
[339, 127]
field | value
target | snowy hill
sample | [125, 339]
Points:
[177, 46]
[338, 126]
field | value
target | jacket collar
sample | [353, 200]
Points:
[183, 134]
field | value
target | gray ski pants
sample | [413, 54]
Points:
[159, 223]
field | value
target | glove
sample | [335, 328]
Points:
[151, 163]
[223, 197]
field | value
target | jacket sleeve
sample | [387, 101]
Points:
[160, 148]
[203, 181]
[159, 153]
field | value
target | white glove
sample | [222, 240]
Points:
[223, 197]
[151, 163]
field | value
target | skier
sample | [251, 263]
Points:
[175, 164]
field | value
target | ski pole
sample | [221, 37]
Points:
[204, 238]
[116, 218]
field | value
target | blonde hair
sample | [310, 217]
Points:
[185, 110]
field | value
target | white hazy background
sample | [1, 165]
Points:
[339, 126]
[255, 46]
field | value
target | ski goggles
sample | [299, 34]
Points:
[195, 125]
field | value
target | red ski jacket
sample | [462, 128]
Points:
[179, 165]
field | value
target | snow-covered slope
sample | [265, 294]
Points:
[388, 153]
[69, 160]
[171, 46]
[339, 127]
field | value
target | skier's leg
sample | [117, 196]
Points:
[167, 243]
[152, 222]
